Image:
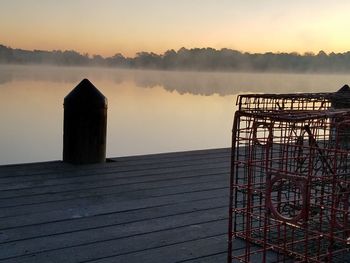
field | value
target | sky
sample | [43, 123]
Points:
[107, 27]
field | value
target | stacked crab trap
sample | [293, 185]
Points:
[290, 179]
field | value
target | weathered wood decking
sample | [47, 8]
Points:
[154, 208]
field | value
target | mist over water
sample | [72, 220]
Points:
[148, 111]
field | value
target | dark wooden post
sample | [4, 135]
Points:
[341, 98]
[85, 125]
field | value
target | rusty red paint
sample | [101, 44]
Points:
[290, 180]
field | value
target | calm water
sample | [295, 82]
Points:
[149, 111]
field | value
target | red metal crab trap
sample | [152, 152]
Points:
[277, 102]
[290, 185]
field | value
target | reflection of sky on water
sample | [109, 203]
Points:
[140, 120]
[149, 111]
[197, 83]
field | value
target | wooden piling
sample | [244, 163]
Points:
[85, 125]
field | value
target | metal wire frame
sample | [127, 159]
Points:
[290, 186]
[278, 102]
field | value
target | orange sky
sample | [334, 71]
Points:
[107, 27]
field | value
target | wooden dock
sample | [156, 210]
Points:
[155, 208]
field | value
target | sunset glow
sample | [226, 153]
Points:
[120, 26]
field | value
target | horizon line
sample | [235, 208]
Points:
[90, 55]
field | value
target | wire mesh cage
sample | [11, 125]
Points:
[290, 186]
[277, 102]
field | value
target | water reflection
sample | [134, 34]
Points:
[149, 111]
[196, 83]
[10, 73]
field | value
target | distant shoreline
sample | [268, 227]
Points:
[194, 71]
[196, 59]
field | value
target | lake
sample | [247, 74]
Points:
[148, 111]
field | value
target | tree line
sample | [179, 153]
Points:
[203, 59]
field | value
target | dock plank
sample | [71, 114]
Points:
[55, 167]
[144, 187]
[127, 245]
[170, 207]
[59, 226]
[57, 177]
[109, 232]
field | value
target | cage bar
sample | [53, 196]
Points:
[290, 180]
[278, 102]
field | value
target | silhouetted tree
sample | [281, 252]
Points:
[189, 59]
